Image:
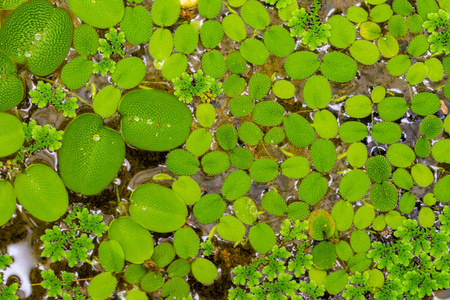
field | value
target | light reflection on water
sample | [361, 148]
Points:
[24, 261]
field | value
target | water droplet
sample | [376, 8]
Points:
[136, 119]
[96, 137]
[37, 36]
[149, 122]
[27, 54]
[144, 208]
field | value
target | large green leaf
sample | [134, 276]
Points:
[42, 193]
[7, 201]
[39, 34]
[91, 155]
[154, 120]
[157, 208]
[11, 134]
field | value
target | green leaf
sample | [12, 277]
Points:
[313, 188]
[250, 133]
[234, 27]
[425, 104]
[417, 73]
[129, 72]
[388, 46]
[134, 272]
[12, 135]
[106, 101]
[42, 193]
[343, 33]
[338, 67]
[241, 158]
[352, 131]
[227, 137]
[407, 202]
[440, 151]
[245, 210]
[336, 281]
[211, 34]
[236, 185]
[402, 7]
[364, 52]
[278, 41]
[213, 63]
[422, 175]
[273, 203]
[11, 88]
[422, 147]
[298, 211]
[209, 9]
[151, 282]
[397, 26]
[442, 189]
[230, 229]
[163, 254]
[236, 62]
[165, 12]
[268, 113]
[384, 196]
[179, 268]
[426, 217]
[344, 251]
[360, 241]
[400, 155]
[298, 130]
[204, 270]
[241, 106]
[307, 59]
[381, 13]
[435, 69]
[161, 43]
[324, 255]
[206, 114]
[157, 208]
[154, 120]
[255, 15]
[418, 46]
[354, 185]
[185, 38]
[295, 167]
[96, 150]
[135, 240]
[111, 256]
[262, 237]
[342, 214]
[209, 208]
[431, 127]
[234, 85]
[378, 168]
[137, 25]
[182, 162]
[414, 23]
[102, 286]
[174, 66]
[358, 106]
[317, 92]
[76, 72]
[259, 86]
[325, 124]
[357, 154]
[264, 170]
[323, 155]
[364, 217]
[254, 50]
[386, 132]
[359, 263]
[40, 35]
[392, 108]
[7, 206]
[188, 189]
[100, 14]
[283, 89]
[215, 162]
[186, 242]
[175, 288]
[398, 65]
[370, 30]
[402, 179]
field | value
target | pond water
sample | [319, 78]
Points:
[20, 236]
